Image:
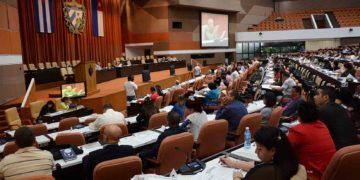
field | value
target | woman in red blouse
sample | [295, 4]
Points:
[311, 140]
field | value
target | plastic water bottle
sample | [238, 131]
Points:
[247, 136]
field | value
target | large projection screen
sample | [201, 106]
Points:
[214, 30]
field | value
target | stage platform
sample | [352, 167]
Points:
[113, 91]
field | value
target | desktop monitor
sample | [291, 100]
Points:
[73, 90]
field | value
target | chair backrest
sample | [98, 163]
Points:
[48, 65]
[167, 99]
[54, 64]
[177, 93]
[344, 164]
[253, 121]
[122, 168]
[12, 118]
[73, 62]
[68, 63]
[212, 138]
[73, 138]
[70, 70]
[172, 152]
[123, 127]
[35, 108]
[32, 67]
[38, 177]
[157, 120]
[63, 72]
[38, 129]
[63, 64]
[25, 67]
[67, 123]
[158, 102]
[275, 117]
[41, 66]
[10, 148]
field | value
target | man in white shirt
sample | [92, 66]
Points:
[234, 74]
[98, 66]
[130, 88]
[197, 70]
[108, 117]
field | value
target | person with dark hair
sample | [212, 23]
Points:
[335, 117]
[349, 69]
[173, 119]
[335, 65]
[345, 98]
[232, 110]
[311, 140]
[196, 118]
[111, 150]
[159, 90]
[277, 158]
[110, 116]
[269, 101]
[212, 97]
[153, 94]
[49, 107]
[27, 160]
[291, 107]
[130, 88]
[146, 112]
[179, 107]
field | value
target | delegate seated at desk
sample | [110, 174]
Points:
[49, 107]
[146, 112]
[173, 121]
[111, 150]
[28, 160]
[110, 116]
[277, 160]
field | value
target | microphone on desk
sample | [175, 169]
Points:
[191, 166]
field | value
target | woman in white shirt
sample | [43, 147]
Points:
[196, 118]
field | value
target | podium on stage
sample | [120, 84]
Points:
[86, 72]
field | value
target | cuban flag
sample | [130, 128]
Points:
[44, 16]
[97, 18]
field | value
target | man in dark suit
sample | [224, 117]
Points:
[173, 121]
[111, 150]
[335, 117]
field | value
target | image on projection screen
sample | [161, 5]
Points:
[214, 30]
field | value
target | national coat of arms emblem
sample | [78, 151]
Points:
[75, 16]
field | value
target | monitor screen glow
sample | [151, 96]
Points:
[73, 90]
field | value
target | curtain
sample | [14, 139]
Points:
[62, 45]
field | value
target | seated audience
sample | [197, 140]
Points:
[66, 103]
[159, 90]
[234, 74]
[345, 98]
[49, 107]
[196, 118]
[212, 96]
[335, 66]
[173, 122]
[130, 88]
[110, 151]
[110, 116]
[146, 112]
[98, 66]
[232, 110]
[276, 155]
[286, 86]
[270, 102]
[179, 107]
[335, 117]
[177, 85]
[153, 94]
[349, 69]
[28, 160]
[291, 107]
[311, 140]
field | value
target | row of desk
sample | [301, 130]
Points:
[116, 72]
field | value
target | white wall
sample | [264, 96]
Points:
[322, 44]
[297, 35]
